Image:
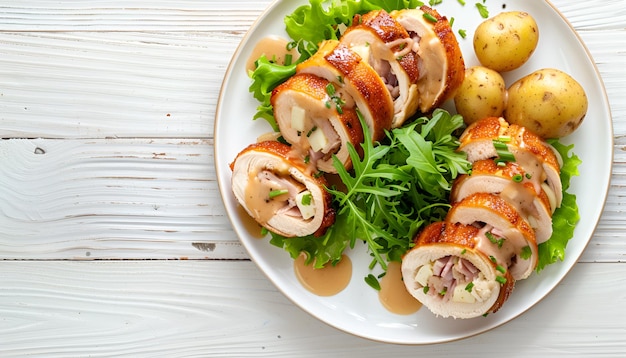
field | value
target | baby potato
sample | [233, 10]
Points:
[506, 41]
[549, 102]
[481, 94]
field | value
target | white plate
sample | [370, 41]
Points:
[357, 310]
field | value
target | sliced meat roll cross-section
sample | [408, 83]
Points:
[538, 158]
[441, 64]
[504, 234]
[447, 273]
[386, 46]
[510, 181]
[337, 63]
[278, 190]
[317, 119]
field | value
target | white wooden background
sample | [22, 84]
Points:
[113, 238]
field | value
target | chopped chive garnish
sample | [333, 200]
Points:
[502, 150]
[482, 10]
[501, 268]
[275, 193]
[430, 17]
[330, 89]
[469, 287]
[518, 178]
[288, 59]
[493, 239]
[306, 199]
[528, 176]
[526, 253]
[501, 279]
[462, 33]
[425, 289]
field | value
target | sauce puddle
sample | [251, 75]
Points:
[274, 48]
[254, 229]
[393, 294]
[327, 281]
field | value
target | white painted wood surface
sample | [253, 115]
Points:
[113, 238]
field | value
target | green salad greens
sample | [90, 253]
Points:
[400, 184]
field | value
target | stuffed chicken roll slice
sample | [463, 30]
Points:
[317, 120]
[512, 183]
[447, 273]
[505, 235]
[278, 190]
[337, 63]
[440, 60]
[386, 46]
[494, 137]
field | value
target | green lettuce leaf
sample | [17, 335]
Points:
[265, 78]
[565, 217]
[319, 20]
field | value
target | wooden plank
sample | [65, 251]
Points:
[136, 15]
[99, 85]
[235, 15]
[226, 309]
[106, 199]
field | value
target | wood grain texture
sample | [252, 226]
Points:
[228, 309]
[102, 199]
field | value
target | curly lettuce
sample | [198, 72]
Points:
[565, 217]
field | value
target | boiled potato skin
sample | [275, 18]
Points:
[482, 94]
[548, 102]
[506, 41]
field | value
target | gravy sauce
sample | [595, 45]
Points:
[393, 294]
[274, 48]
[327, 281]
[252, 227]
[257, 198]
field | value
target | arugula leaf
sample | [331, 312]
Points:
[400, 185]
[566, 216]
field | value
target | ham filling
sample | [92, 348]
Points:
[453, 278]
[287, 191]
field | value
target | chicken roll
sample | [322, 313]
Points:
[494, 137]
[512, 183]
[317, 119]
[447, 272]
[280, 192]
[441, 64]
[504, 235]
[337, 63]
[386, 46]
